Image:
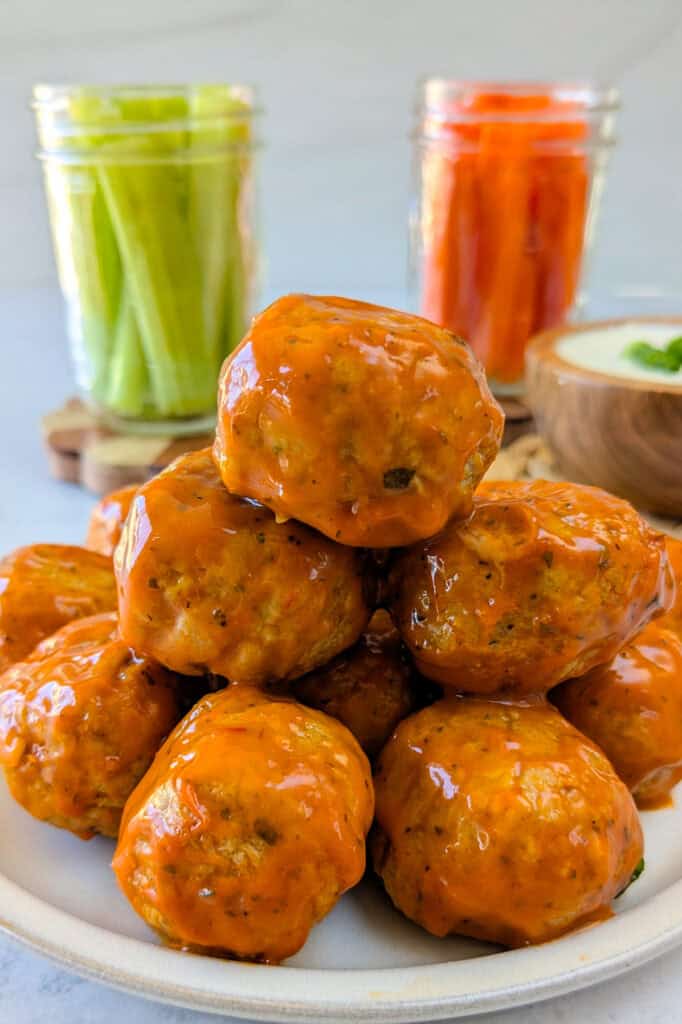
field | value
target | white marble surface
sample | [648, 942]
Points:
[35, 375]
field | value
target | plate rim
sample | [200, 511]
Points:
[393, 995]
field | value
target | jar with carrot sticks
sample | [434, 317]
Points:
[150, 193]
[508, 178]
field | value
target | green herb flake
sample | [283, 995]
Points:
[398, 479]
[633, 877]
[266, 832]
[638, 871]
[668, 359]
[674, 349]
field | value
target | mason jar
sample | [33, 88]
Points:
[150, 192]
[508, 179]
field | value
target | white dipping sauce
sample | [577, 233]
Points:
[601, 350]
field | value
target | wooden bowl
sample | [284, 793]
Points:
[622, 434]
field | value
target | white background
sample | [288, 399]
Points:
[337, 79]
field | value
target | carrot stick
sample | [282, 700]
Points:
[503, 165]
[561, 224]
[439, 203]
[503, 216]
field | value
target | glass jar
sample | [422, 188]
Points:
[151, 198]
[508, 179]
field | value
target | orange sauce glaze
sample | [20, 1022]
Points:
[369, 424]
[44, 586]
[632, 707]
[107, 519]
[211, 583]
[80, 722]
[673, 618]
[544, 581]
[249, 826]
[500, 821]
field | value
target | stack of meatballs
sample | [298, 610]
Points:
[334, 583]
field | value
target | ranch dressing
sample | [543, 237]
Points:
[601, 350]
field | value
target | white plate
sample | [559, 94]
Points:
[363, 963]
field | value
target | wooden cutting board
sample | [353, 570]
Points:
[80, 450]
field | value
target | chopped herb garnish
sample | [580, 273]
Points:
[668, 358]
[266, 832]
[633, 877]
[398, 479]
[638, 871]
[674, 348]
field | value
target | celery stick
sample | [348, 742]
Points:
[148, 202]
[128, 388]
[148, 207]
[89, 265]
[238, 268]
[218, 173]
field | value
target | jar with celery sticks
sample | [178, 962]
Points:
[508, 181]
[151, 198]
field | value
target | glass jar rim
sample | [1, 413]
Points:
[443, 98]
[52, 102]
[48, 94]
[186, 131]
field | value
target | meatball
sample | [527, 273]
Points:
[371, 425]
[369, 687]
[632, 707]
[44, 586]
[501, 822]
[209, 582]
[80, 722]
[107, 519]
[248, 828]
[544, 581]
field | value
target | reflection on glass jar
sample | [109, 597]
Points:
[151, 198]
[508, 178]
